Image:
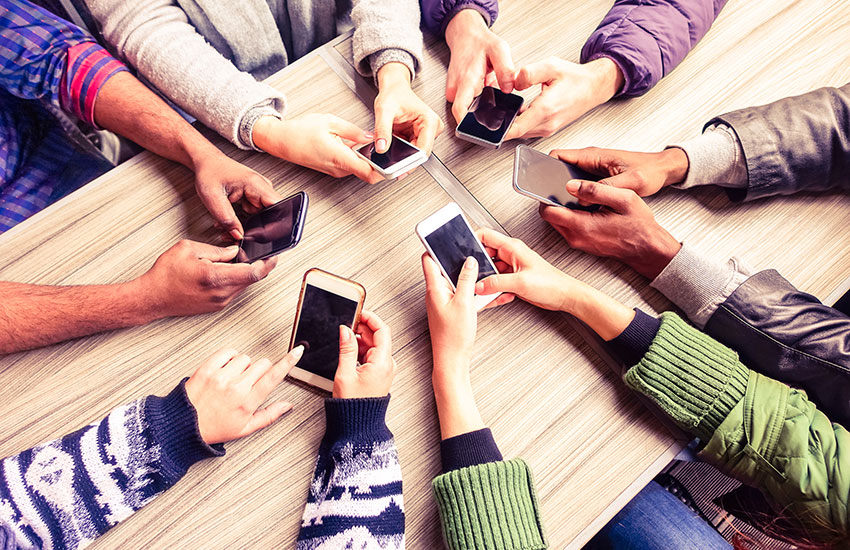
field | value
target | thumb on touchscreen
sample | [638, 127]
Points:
[348, 350]
[466, 279]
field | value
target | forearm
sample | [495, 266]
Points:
[455, 400]
[127, 107]
[606, 316]
[32, 316]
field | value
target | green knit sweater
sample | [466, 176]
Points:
[490, 506]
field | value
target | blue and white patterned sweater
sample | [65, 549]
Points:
[65, 493]
[355, 498]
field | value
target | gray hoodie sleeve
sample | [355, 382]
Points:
[384, 33]
[156, 37]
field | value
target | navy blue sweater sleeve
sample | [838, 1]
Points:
[67, 492]
[634, 342]
[469, 449]
[355, 498]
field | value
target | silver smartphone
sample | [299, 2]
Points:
[402, 156]
[544, 178]
[489, 117]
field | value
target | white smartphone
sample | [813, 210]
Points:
[544, 178]
[450, 240]
[402, 156]
[489, 117]
[326, 302]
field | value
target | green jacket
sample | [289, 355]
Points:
[755, 429]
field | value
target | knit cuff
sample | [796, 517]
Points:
[357, 419]
[392, 55]
[715, 157]
[491, 505]
[255, 113]
[634, 342]
[469, 449]
[692, 377]
[173, 422]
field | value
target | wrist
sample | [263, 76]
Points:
[661, 247]
[144, 300]
[269, 134]
[675, 163]
[393, 74]
[608, 78]
[465, 24]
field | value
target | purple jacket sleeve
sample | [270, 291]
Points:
[436, 14]
[648, 38]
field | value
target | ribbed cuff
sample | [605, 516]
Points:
[469, 449]
[392, 55]
[715, 157]
[692, 377]
[490, 506]
[173, 422]
[357, 419]
[633, 343]
[698, 285]
[246, 126]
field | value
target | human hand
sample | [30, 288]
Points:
[221, 181]
[319, 141]
[643, 173]
[228, 389]
[624, 228]
[524, 273]
[399, 110]
[373, 346]
[191, 278]
[477, 54]
[568, 91]
[452, 318]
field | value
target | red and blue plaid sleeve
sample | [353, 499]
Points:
[47, 58]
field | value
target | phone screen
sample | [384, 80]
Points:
[490, 115]
[273, 229]
[322, 313]
[452, 243]
[399, 151]
[546, 177]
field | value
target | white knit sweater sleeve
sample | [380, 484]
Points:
[156, 37]
[385, 32]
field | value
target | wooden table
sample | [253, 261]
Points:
[547, 393]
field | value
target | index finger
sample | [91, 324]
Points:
[527, 122]
[381, 336]
[466, 93]
[360, 167]
[434, 280]
[273, 377]
[428, 132]
[242, 274]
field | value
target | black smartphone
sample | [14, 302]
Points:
[274, 229]
[544, 178]
[489, 117]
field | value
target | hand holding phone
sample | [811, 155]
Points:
[373, 375]
[489, 117]
[544, 178]
[274, 229]
[450, 240]
[326, 302]
[401, 157]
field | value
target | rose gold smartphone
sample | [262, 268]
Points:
[326, 302]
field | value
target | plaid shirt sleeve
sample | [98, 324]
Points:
[43, 57]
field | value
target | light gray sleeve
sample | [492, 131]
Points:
[698, 285]
[715, 158]
[156, 37]
[385, 32]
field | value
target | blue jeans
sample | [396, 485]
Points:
[657, 520]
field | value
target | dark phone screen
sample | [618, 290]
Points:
[397, 152]
[273, 229]
[322, 313]
[490, 115]
[453, 242]
[547, 177]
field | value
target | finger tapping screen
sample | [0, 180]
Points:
[397, 152]
[271, 230]
[322, 313]
[453, 242]
[491, 114]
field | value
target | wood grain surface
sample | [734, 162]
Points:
[545, 394]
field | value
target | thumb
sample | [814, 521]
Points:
[594, 192]
[347, 349]
[501, 282]
[219, 207]
[265, 417]
[383, 127]
[215, 253]
[466, 279]
[531, 74]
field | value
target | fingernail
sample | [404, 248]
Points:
[369, 135]
[573, 186]
[297, 352]
[232, 248]
[381, 145]
[236, 234]
[344, 334]
[470, 263]
[479, 287]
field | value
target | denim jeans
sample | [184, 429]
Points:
[657, 520]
